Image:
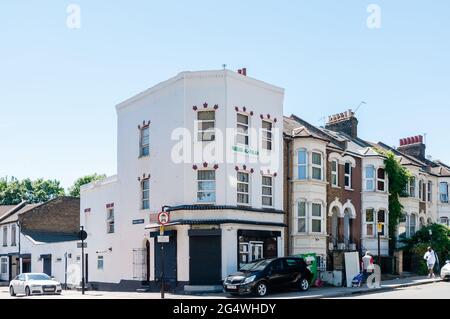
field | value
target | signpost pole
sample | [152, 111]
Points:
[82, 262]
[163, 219]
[379, 244]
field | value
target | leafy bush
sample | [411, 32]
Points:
[439, 240]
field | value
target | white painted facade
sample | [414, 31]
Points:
[171, 107]
[310, 191]
[376, 200]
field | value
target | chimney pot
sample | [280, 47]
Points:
[401, 142]
[240, 71]
[244, 71]
[420, 138]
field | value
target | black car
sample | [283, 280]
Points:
[261, 276]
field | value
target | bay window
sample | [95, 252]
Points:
[420, 190]
[412, 187]
[335, 173]
[316, 218]
[370, 178]
[302, 165]
[411, 222]
[301, 217]
[402, 233]
[317, 169]
[348, 175]
[443, 190]
[243, 186]
[5, 236]
[13, 235]
[430, 191]
[370, 222]
[381, 180]
[206, 186]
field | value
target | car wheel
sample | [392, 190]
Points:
[27, 291]
[304, 284]
[261, 289]
[11, 291]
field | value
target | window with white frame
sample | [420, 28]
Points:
[369, 222]
[302, 165]
[267, 191]
[348, 175]
[5, 236]
[206, 186]
[4, 265]
[411, 224]
[316, 218]
[443, 191]
[444, 221]
[13, 235]
[267, 135]
[145, 190]
[243, 188]
[301, 216]
[316, 164]
[144, 141]
[100, 262]
[402, 233]
[430, 191]
[412, 187]
[110, 220]
[335, 173]
[206, 122]
[381, 220]
[420, 189]
[242, 129]
[370, 178]
[381, 180]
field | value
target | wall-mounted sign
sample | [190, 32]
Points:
[163, 239]
[79, 245]
[245, 150]
[138, 221]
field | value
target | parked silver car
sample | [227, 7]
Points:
[445, 271]
[34, 284]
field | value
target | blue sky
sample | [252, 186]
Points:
[58, 86]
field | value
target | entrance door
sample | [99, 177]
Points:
[205, 264]
[256, 250]
[147, 261]
[170, 260]
[47, 265]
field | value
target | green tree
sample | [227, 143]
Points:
[398, 180]
[439, 240]
[14, 191]
[74, 191]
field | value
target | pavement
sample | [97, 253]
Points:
[388, 286]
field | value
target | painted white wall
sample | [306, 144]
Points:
[168, 106]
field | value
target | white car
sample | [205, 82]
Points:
[445, 271]
[34, 284]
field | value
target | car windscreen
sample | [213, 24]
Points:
[256, 266]
[38, 277]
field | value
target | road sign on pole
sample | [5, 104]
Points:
[163, 218]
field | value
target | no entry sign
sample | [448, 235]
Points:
[163, 218]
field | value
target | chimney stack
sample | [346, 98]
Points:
[344, 122]
[243, 71]
[413, 146]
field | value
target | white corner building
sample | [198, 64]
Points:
[208, 146]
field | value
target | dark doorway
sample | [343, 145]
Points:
[47, 264]
[147, 261]
[205, 252]
[170, 260]
[26, 265]
[86, 265]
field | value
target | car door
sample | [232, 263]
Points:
[293, 271]
[19, 285]
[277, 273]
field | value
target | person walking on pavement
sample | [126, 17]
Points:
[430, 257]
[367, 265]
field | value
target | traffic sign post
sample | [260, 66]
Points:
[163, 219]
[379, 231]
[82, 235]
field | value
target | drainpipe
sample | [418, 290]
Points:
[289, 195]
[20, 258]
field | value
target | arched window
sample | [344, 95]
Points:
[347, 226]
